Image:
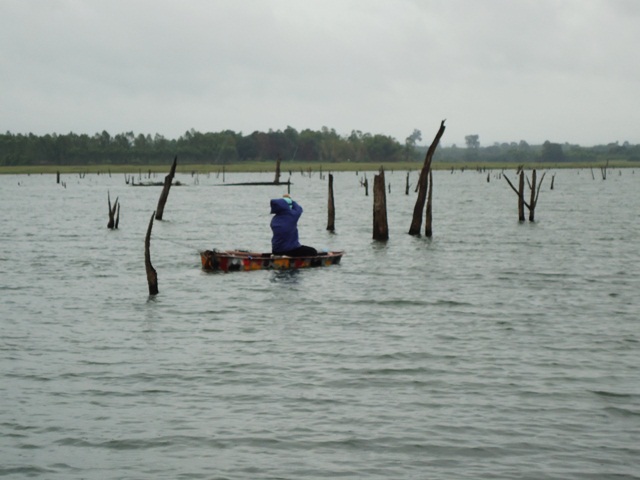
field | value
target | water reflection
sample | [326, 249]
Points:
[286, 277]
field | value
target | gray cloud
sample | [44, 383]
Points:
[533, 70]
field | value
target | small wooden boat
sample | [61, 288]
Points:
[238, 260]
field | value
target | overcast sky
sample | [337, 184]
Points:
[506, 70]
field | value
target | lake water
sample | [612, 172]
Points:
[494, 350]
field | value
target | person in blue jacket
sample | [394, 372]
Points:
[284, 225]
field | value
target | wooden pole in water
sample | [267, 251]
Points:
[407, 185]
[380, 226]
[416, 223]
[165, 190]
[152, 276]
[331, 207]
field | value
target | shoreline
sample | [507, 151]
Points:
[286, 167]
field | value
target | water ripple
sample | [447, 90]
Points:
[494, 350]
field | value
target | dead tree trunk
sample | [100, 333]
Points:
[428, 231]
[58, 177]
[112, 212]
[380, 226]
[407, 185]
[603, 170]
[535, 193]
[416, 223]
[331, 207]
[365, 183]
[520, 193]
[165, 190]
[277, 179]
[553, 177]
[521, 197]
[532, 198]
[152, 276]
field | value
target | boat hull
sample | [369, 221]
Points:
[236, 260]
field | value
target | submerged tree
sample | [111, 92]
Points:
[423, 185]
[533, 198]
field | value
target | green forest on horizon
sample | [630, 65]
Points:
[228, 147]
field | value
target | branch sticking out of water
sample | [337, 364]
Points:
[152, 276]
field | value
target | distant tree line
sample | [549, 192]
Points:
[289, 144]
[522, 152]
[196, 147]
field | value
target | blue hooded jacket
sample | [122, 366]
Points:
[284, 225]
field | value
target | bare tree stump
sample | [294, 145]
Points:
[152, 276]
[535, 193]
[380, 226]
[331, 207]
[112, 212]
[407, 185]
[603, 170]
[416, 223]
[165, 190]
[277, 179]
